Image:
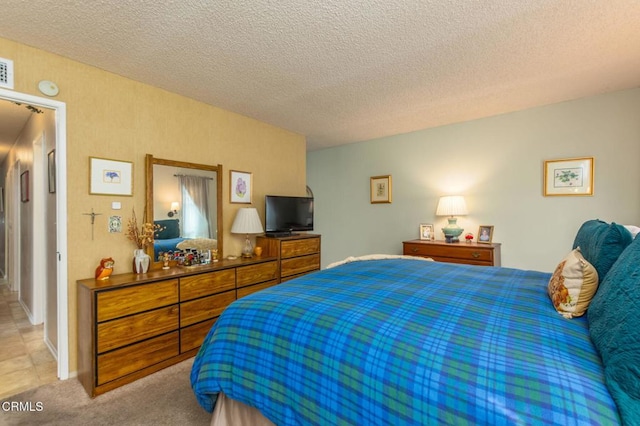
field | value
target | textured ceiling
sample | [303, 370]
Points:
[342, 71]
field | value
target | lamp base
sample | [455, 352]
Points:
[247, 251]
[452, 231]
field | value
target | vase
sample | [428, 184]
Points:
[141, 261]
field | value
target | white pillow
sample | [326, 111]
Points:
[633, 229]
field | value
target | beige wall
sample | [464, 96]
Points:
[112, 117]
[496, 163]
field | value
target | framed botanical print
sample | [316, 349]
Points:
[381, 189]
[571, 176]
[110, 177]
[240, 187]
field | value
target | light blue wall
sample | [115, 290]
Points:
[497, 164]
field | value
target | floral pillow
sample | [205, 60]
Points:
[573, 285]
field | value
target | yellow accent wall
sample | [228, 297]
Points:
[117, 118]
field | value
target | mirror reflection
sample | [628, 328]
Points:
[185, 201]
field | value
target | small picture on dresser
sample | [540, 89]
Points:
[485, 234]
[426, 231]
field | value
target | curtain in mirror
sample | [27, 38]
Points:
[195, 212]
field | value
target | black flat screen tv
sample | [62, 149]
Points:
[286, 215]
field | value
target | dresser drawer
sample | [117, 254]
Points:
[205, 284]
[458, 252]
[138, 298]
[299, 265]
[299, 247]
[191, 337]
[205, 308]
[248, 275]
[467, 253]
[124, 331]
[127, 360]
[247, 290]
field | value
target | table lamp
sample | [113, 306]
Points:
[452, 205]
[247, 222]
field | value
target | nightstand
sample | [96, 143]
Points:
[462, 252]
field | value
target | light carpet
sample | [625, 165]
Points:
[163, 398]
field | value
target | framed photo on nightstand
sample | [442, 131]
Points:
[485, 234]
[426, 231]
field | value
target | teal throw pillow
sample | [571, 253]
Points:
[169, 228]
[601, 243]
[614, 326]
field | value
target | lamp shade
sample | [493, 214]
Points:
[452, 205]
[175, 206]
[247, 221]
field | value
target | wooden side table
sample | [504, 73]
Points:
[462, 252]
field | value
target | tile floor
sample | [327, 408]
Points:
[25, 360]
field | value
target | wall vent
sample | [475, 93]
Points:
[6, 73]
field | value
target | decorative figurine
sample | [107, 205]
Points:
[214, 255]
[165, 260]
[104, 270]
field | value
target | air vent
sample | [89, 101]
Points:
[6, 73]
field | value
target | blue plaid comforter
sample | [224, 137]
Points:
[395, 342]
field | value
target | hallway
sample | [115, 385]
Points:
[25, 360]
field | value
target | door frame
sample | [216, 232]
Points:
[60, 109]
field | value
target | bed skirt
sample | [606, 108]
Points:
[229, 412]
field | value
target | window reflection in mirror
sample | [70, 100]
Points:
[185, 202]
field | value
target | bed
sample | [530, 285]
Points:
[167, 236]
[404, 341]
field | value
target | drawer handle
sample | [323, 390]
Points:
[414, 250]
[475, 254]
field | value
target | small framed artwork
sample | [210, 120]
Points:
[110, 177]
[51, 161]
[240, 187]
[485, 234]
[24, 186]
[115, 224]
[571, 176]
[381, 189]
[426, 231]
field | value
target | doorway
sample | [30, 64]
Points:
[60, 293]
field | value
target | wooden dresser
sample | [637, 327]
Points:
[297, 255]
[462, 252]
[132, 325]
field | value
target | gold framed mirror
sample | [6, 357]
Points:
[168, 190]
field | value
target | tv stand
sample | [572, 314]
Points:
[297, 255]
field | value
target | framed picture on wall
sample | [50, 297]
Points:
[240, 187]
[110, 177]
[426, 231]
[381, 189]
[571, 176]
[51, 161]
[24, 186]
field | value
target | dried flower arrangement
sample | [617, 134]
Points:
[143, 235]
